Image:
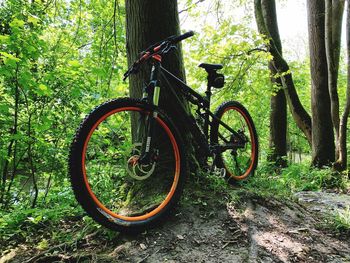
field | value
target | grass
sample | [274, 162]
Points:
[338, 223]
[295, 178]
[281, 184]
[60, 219]
[342, 220]
[301, 177]
[206, 187]
[266, 182]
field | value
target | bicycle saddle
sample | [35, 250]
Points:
[215, 79]
[209, 67]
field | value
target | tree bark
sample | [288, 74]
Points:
[278, 128]
[333, 20]
[322, 129]
[12, 147]
[278, 106]
[300, 115]
[147, 22]
[341, 163]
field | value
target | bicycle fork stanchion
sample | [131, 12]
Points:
[152, 88]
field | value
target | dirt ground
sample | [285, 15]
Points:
[254, 230]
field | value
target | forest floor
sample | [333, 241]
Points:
[203, 229]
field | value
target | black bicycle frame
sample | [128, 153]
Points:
[202, 138]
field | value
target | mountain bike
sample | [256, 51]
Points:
[128, 161]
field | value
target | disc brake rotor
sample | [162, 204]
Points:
[135, 170]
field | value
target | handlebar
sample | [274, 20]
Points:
[161, 47]
[183, 37]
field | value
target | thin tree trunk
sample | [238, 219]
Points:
[31, 161]
[323, 147]
[12, 148]
[337, 15]
[278, 128]
[300, 115]
[341, 163]
[333, 24]
[5, 170]
[278, 106]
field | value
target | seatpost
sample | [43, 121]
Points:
[208, 93]
[206, 120]
[209, 85]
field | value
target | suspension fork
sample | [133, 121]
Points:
[152, 89]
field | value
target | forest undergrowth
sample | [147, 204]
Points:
[59, 224]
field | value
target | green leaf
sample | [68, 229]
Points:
[4, 39]
[44, 125]
[17, 23]
[43, 244]
[17, 136]
[36, 219]
[100, 72]
[4, 108]
[75, 92]
[8, 57]
[33, 19]
[74, 63]
[43, 90]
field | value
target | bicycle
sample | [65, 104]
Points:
[127, 162]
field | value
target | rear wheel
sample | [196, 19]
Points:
[241, 161]
[107, 177]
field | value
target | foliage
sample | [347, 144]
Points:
[337, 222]
[295, 178]
[39, 225]
[23, 224]
[58, 61]
[246, 76]
[342, 220]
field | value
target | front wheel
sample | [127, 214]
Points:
[239, 161]
[108, 180]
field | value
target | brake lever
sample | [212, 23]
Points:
[126, 75]
[132, 70]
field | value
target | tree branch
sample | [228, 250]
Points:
[191, 6]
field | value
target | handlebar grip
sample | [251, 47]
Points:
[182, 37]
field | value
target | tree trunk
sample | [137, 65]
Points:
[278, 106]
[334, 15]
[278, 128]
[322, 129]
[342, 158]
[300, 115]
[147, 22]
